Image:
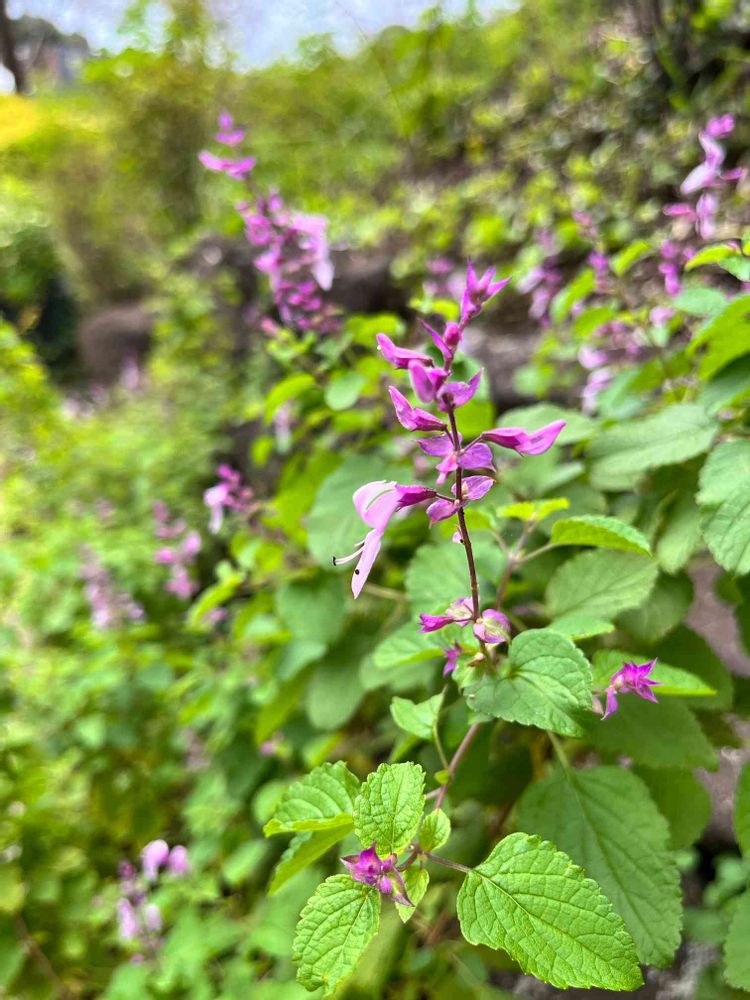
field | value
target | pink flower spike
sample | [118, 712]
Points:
[399, 357]
[454, 394]
[426, 381]
[493, 627]
[523, 442]
[412, 417]
[474, 487]
[229, 134]
[478, 291]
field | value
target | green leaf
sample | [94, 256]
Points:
[531, 900]
[692, 654]
[726, 336]
[303, 850]
[700, 301]
[631, 254]
[742, 811]
[389, 807]
[534, 510]
[666, 734]
[407, 645]
[673, 680]
[601, 532]
[12, 888]
[292, 387]
[725, 468]
[600, 584]
[322, 800]
[726, 530]
[736, 950]
[434, 831]
[416, 718]
[311, 609]
[683, 802]
[667, 605]
[621, 455]
[681, 535]
[437, 575]
[548, 685]
[416, 881]
[711, 255]
[605, 820]
[344, 390]
[581, 626]
[579, 288]
[334, 928]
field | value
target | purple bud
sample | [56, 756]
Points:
[153, 857]
[178, 860]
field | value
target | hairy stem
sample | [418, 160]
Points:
[455, 761]
[447, 864]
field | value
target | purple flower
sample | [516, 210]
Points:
[368, 868]
[720, 126]
[179, 863]
[412, 417]
[376, 503]
[493, 627]
[227, 494]
[523, 442]
[229, 134]
[478, 291]
[236, 169]
[127, 921]
[440, 342]
[152, 918]
[474, 456]
[400, 357]
[153, 857]
[454, 394]
[451, 658]
[630, 678]
[110, 607]
[426, 381]
[458, 613]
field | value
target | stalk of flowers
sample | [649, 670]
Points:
[543, 281]
[110, 607]
[708, 180]
[139, 918]
[466, 464]
[229, 494]
[179, 556]
[295, 252]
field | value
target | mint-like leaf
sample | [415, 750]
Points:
[334, 928]
[303, 850]
[605, 820]
[322, 800]
[742, 811]
[531, 900]
[663, 735]
[416, 881]
[434, 831]
[548, 685]
[416, 718]
[736, 951]
[601, 532]
[389, 807]
[600, 584]
[682, 800]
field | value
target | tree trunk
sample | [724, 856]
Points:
[8, 50]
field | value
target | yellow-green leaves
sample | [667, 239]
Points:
[531, 900]
[389, 807]
[322, 800]
[600, 532]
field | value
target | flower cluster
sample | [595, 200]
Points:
[294, 250]
[630, 678]
[367, 867]
[707, 179]
[139, 919]
[179, 556]
[227, 494]
[432, 381]
[110, 607]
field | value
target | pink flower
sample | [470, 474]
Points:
[426, 381]
[400, 357]
[412, 417]
[493, 627]
[474, 456]
[179, 863]
[630, 678]
[451, 658]
[523, 442]
[478, 292]
[153, 857]
[458, 613]
[367, 867]
[229, 134]
[127, 921]
[236, 169]
[455, 394]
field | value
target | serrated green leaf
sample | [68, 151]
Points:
[736, 950]
[682, 800]
[416, 718]
[303, 850]
[581, 626]
[416, 880]
[322, 800]
[621, 455]
[673, 680]
[601, 532]
[334, 929]
[605, 820]
[437, 575]
[531, 900]
[690, 652]
[726, 530]
[548, 685]
[742, 811]
[725, 468]
[600, 584]
[667, 605]
[389, 807]
[534, 510]
[680, 537]
[434, 831]
[666, 734]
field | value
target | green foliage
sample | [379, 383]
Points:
[389, 807]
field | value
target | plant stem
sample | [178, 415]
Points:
[557, 747]
[514, 559]
[386, 592]
[462, 520]
[447, 864]
[455, 761]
